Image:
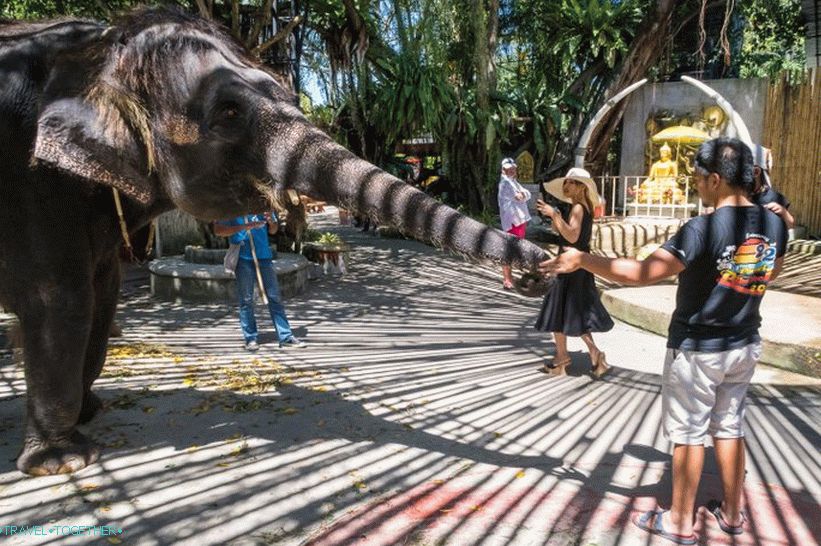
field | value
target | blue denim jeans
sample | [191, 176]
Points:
[246, 281]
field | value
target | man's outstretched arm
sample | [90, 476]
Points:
[659, 265]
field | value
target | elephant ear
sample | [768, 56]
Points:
[90, 138]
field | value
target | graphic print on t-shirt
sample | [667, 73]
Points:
[748, 267]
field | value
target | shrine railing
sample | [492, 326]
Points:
[623, 196]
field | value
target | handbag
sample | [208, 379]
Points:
[231, 258]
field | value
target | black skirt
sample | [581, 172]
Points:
[573, 307]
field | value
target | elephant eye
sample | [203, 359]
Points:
[227, 112]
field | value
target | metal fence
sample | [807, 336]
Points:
[621, 198]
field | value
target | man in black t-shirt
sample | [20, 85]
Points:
[724, 261]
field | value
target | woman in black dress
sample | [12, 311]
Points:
[572, 306]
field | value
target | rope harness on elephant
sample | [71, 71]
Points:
[124, 231]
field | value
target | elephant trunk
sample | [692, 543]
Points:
[318, 167]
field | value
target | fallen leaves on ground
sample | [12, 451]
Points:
[138, 350]
[239, 450]
[124, 401]
[230, 402]
[358, 482]
[255, 377]
[117, 442]
[120, 358]
[226, 380]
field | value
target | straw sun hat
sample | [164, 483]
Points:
[554, 187]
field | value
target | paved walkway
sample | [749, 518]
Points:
[789, 330]
[416, 416]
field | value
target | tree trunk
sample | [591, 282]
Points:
[484, 150]
[644, 53]
[586, 89]
[177, 229]
[460, 173]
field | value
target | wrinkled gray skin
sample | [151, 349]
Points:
[172, 113]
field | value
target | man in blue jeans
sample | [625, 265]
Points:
[242, 231]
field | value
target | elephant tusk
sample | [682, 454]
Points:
[581, 149]
[735, 118]
[293, 196]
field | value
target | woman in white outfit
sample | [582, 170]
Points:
[513, 199]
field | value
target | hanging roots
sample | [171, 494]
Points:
[702, 35]
[725, 41]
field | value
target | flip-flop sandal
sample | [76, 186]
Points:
[643, 523]
[714, 507]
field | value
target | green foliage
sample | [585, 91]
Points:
[43, 9]
[415, 94]
[568, 35]
[327, 238]
[92, 9]
[329, 15]
[305, 104]
[330, 239]
[322, 115]
[773, 39]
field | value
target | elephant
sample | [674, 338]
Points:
[171, 112]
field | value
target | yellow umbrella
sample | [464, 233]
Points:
[681, 134]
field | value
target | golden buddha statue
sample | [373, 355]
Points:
[661, 187]
[525, 163]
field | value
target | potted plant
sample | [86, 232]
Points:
[328, 250]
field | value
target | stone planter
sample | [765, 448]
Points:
[331, 258]
[199, 276]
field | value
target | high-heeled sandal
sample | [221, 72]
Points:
[601, 367]
[558, 367]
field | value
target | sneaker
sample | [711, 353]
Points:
[292, 343]
[252, 346]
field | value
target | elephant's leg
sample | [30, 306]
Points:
[106, 292]
[55, 324]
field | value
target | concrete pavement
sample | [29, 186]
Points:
[417, 415]
[790, 326]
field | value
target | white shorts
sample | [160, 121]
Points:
[703, 393]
